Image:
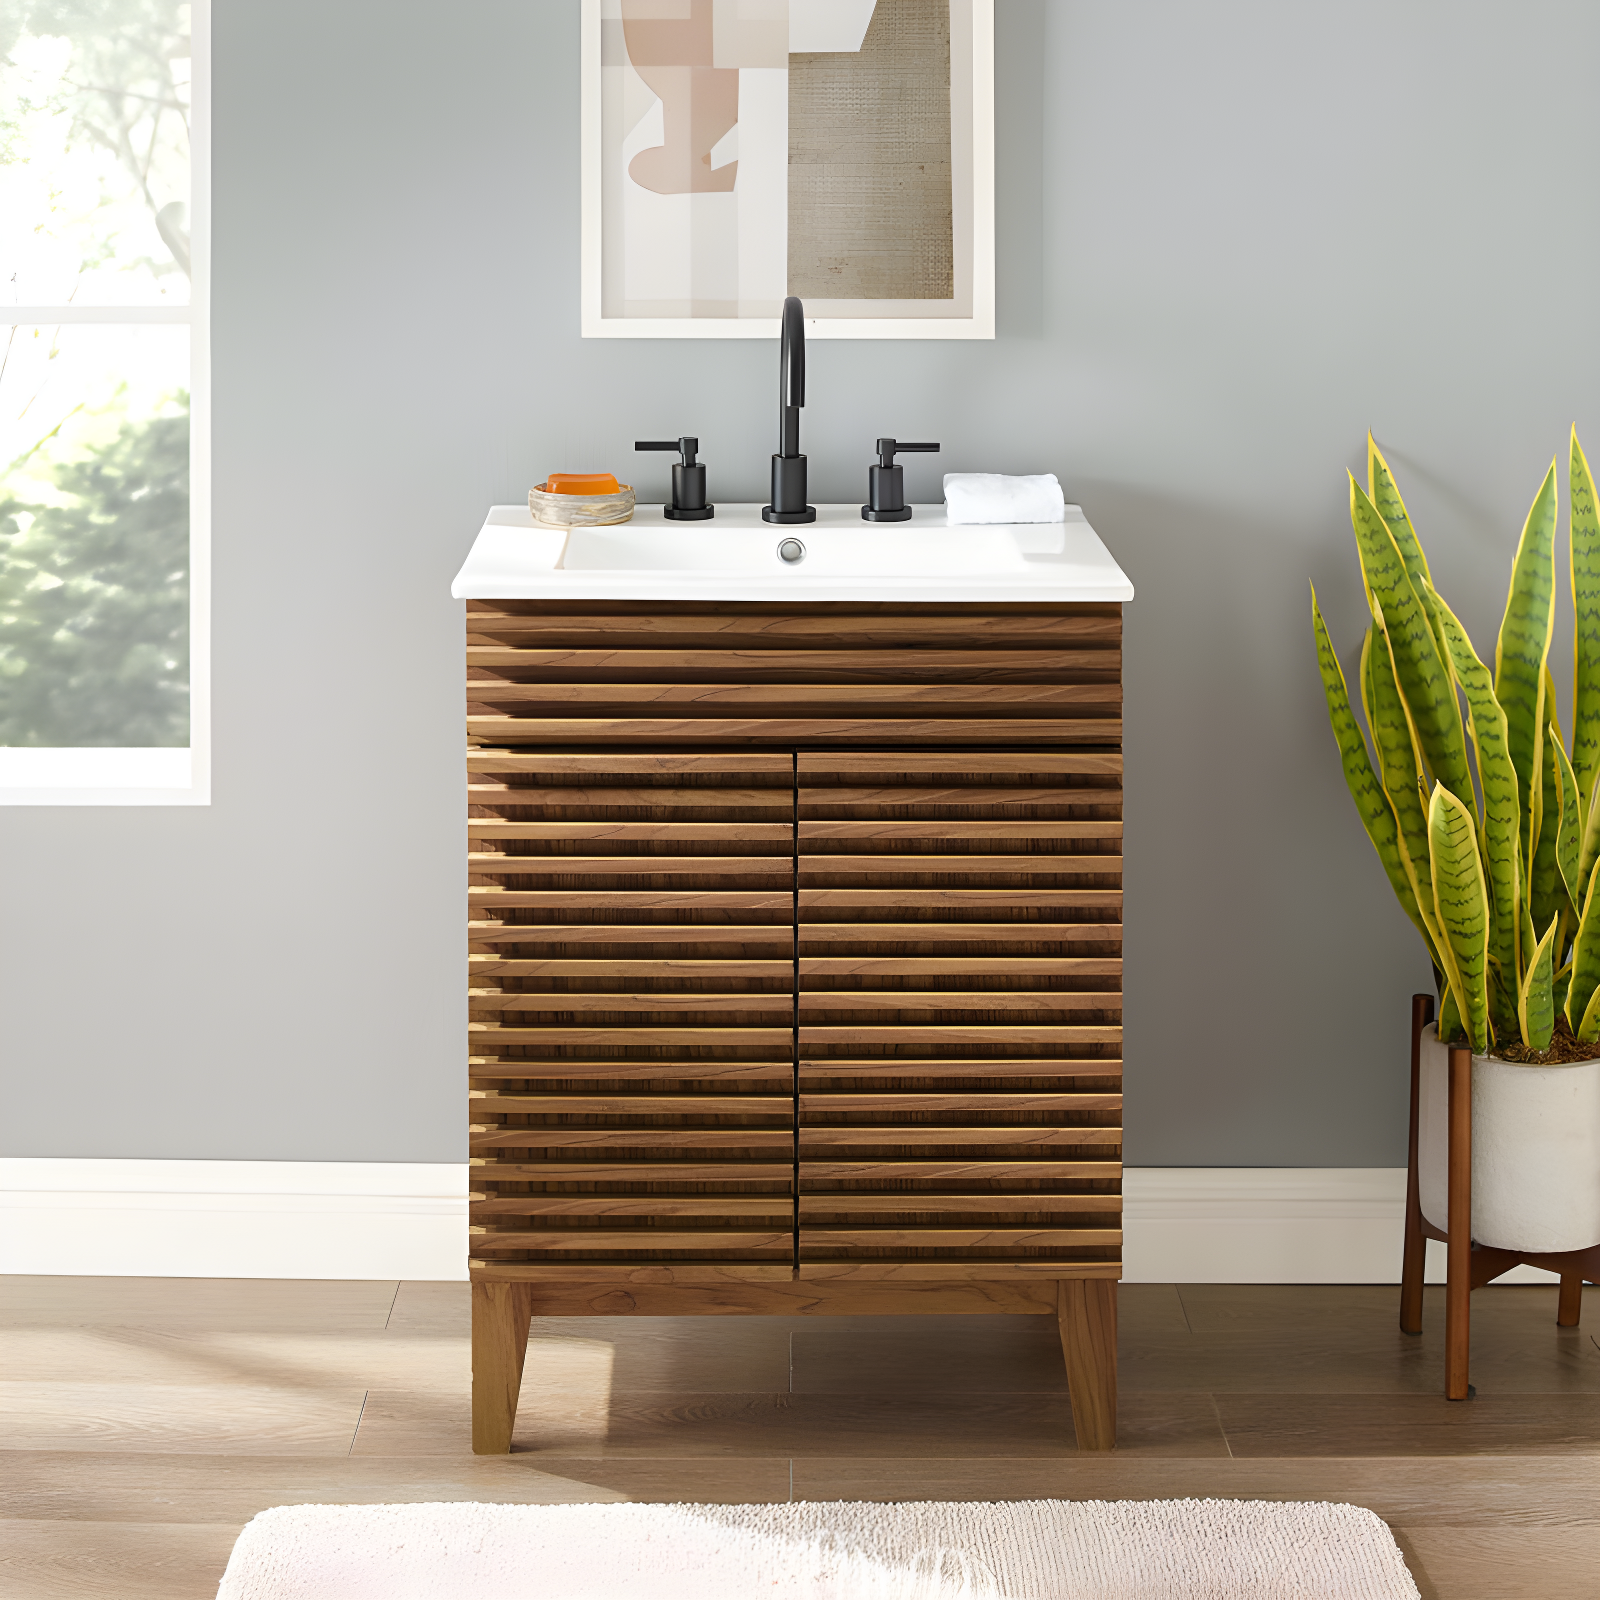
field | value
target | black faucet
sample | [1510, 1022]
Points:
[789, 466]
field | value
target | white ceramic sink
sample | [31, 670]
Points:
[736, 556]
[866, 550]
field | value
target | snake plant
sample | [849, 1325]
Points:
[1497, 875]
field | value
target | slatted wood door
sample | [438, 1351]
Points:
[960, 1014]
[631, 1013]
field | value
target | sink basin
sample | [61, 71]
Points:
[862, 551]
[735, 557]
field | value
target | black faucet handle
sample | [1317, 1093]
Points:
[686, 446]
[889, 448]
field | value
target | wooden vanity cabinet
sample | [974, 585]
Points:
[795, 949]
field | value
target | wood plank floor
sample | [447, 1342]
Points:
[145, 1421]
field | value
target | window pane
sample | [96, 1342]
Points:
[94, 536]
[94, 152]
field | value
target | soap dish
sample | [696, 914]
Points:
[581, 510]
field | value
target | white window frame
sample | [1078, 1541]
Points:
[101, 776]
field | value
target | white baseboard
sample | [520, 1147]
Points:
[234, 1219]
[397, 1219]
[1272, 1225]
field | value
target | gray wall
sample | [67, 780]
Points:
[1232, 237]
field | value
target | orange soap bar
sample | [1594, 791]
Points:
[581, 483]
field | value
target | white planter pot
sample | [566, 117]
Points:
[1535, 1150]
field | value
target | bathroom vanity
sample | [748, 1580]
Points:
[795, 927]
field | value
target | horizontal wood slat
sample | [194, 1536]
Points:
[921, 934]
[827, 1138]
[603, 832]
[597, 1241]
[858, 628]
[842, 1104]
[551, 798]
[484, 1071]
[817, 901]
[915, 797]
[938, 1068]
[660, 1174]
[788, 730]
[941, 1201]
[630, 1105]
[762, 868]
[659, 1001]
[482, 968]
[793, 666]
[781, 699]
[1023, 1168]
[776, 1206]
[947, 830]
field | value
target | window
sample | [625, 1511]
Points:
[104, 418]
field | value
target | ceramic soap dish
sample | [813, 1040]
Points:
[581, 510]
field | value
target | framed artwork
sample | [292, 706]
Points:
[738, 151]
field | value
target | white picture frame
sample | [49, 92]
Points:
[969, 314]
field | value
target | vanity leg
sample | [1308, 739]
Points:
[501, 1313]
[1086, 1309]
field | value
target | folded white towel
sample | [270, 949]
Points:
[994, 497]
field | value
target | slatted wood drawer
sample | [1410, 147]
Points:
[796, 940]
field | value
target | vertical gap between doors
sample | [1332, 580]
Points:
[794, 1013]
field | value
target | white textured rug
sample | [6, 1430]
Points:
[822, 1550]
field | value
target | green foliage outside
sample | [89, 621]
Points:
[94, 597]
[94, 515]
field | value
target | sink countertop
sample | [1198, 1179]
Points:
[515, 558]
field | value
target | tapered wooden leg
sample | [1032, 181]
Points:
[1415, 1259]
[1570, 1305]
[1458, 1288]
[501, 1313]
[1087, 1313]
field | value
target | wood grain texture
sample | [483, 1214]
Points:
[228, 1417]
[500, 1316]
[823, 1395]
[792, 666]
[84, 1560]
[1088, 1323]
[789, 730]
[925, 803]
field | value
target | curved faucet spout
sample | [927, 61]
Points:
[788, 465]
[791, 378]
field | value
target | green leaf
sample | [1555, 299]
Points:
[1449, 1017]
[1377, 816]
[1461, 901]
[1589, 1029]
[1588, 853]
[1520, 653]
[1536, 1007]
[1385, 497]
[1398, 762]
[1547, 894]
[1569, 829]
[1502, 810]
[1585, 962]
[1420, 670]
[1586, 634]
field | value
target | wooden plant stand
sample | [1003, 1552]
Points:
[795, 953]
[1468, 1265]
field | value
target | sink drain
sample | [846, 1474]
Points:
[791, 550]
